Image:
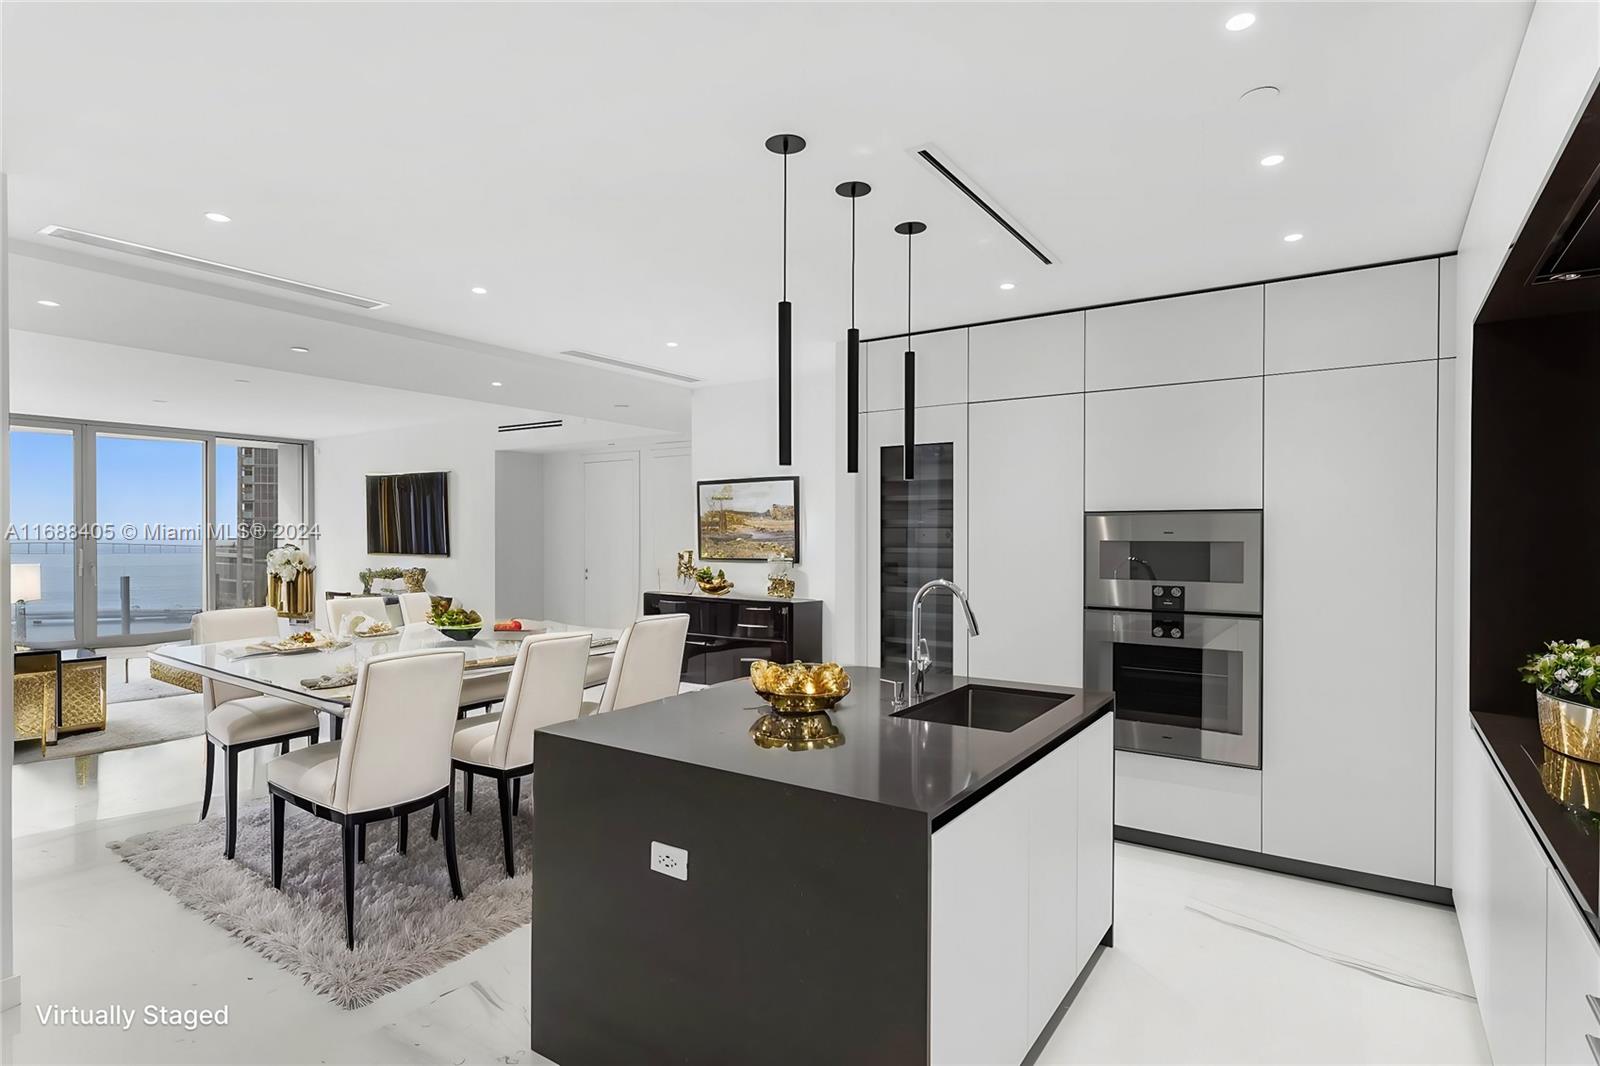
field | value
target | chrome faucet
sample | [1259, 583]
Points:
[920, 659]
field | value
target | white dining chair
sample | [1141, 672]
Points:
[341, 607]
[546, 687]
[238, 719]
[415, 607]
[394, 760]
[599, 667]
[647, 664]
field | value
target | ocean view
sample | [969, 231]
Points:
[164, 588]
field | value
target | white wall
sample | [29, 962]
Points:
[1555, 74]
[467, 452]
[734, 434]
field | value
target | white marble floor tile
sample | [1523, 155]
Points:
[1213, 963]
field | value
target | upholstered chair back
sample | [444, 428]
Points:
[341, 607]
[219, 627]
[546, 687]
[415, 607]
[648, 662]
[398, 730]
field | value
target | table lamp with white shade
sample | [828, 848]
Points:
[25, 588]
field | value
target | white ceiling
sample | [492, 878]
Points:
[62, 377]
[599, 168]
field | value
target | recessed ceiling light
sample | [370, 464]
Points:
[242, 381]
[1568, 277]
[158, 401]
[48, 303]
[1292, 237]
[299, 349]
[672, 344]
[217, 216]
[496, 384]
[1271, 160]
[1008, 285]
[1242, 21]
[619, 405]
[479, 290]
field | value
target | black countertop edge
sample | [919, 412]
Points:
[696, 596]
[933, 768]
[1569, 836]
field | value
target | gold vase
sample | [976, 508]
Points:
[1570, 728]
[297, 597]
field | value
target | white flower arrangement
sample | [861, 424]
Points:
[1566, 671]
[288, 562]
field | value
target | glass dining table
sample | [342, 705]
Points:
[311, 677]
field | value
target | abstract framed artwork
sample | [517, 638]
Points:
[751, 518]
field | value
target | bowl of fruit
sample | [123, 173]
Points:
[456, 623]
[712, 584]
[799, 688]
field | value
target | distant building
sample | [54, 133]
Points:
[241, 561]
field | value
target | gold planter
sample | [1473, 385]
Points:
[1570, 728]
[291, 598]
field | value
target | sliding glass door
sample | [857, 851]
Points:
[121, 534]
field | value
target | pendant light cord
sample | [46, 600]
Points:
[852, 262]
[786, 226]
[908, 290]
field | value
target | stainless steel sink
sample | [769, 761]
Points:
[1000, 710]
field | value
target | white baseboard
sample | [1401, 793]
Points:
[10, 991]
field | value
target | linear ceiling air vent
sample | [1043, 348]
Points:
[518, 427]
[942, 166]
[606, 360]
[178, 259]
[1575, 252]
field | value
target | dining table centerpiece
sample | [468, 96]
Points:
[1566, 677]
[456, 623]
[289, 582]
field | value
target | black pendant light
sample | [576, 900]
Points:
[854, 190]
[910, 229]
[786, 145]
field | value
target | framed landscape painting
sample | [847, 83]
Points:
[752, 518]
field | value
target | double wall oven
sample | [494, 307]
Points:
[1172, 625]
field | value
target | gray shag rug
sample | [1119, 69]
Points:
[407, 923]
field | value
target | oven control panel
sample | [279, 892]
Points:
[1166, 597]
[1166, 627]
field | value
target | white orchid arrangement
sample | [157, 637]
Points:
[288, 562]
[1565, 671]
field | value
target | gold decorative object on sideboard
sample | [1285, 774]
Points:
[415, 577]
[1570, 728]
[686, 565]
[716, 584]
[780, 578]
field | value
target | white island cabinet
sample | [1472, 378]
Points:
[1021, 898]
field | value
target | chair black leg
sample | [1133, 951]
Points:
[449, 803]
[433, 830]
[283, 748]
[211, 771]
[349, 836]
[338, 727]
[405, 828]
[516, 792]
[361, 842]
[503, 786]
[277, 841]
[231, 800]
[467, 774]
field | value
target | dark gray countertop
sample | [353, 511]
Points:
[925, 766]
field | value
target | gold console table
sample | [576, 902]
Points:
[57, 693]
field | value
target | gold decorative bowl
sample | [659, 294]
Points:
[715, 588]
[1570, 728]
[799, 688]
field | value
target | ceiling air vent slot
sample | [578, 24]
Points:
[638, 368]
[518, 427]
[951, 173]
[178, 259]
[1575, 253]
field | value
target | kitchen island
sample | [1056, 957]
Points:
[933, 888]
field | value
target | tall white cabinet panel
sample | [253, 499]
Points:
[1513, 1011]
[1348, 712]
[978, 932]
[1051, 792]
[1187, 338]
[1572, 974]
[1095, 766]
[885, 429]
[1032, 357]
[941, 371]
[1357, 318]
[1025, 520]
[1178, 447]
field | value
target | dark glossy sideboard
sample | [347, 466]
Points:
[728, 633]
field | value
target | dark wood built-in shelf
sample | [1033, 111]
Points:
[728, 633]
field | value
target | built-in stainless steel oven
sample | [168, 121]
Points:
[1172, 625]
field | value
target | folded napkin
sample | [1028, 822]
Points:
[342, 679]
